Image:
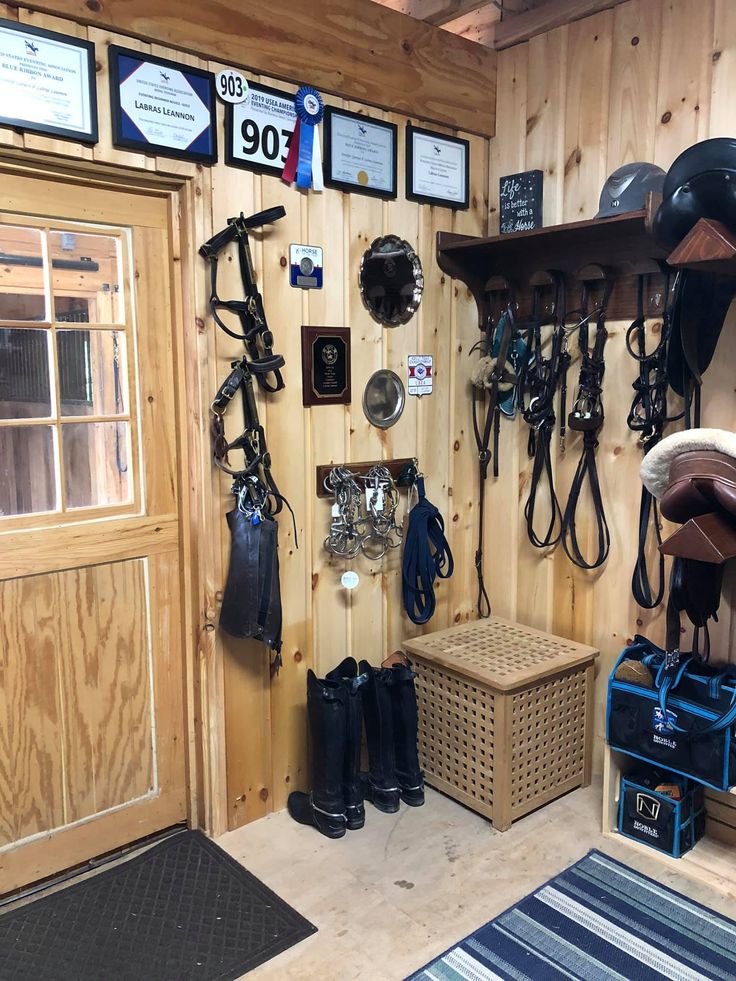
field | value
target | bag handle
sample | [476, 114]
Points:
[670, 681]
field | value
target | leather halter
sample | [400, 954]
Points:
[253, 484]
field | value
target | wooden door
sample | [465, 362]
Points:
[91, 667]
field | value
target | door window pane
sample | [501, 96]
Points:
[92, 372]
[25, 389]
[85, 278]
[22, 289]
[95, 463]
[27, 472]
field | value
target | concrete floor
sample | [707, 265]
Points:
[391, 897]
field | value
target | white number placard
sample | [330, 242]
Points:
[231, 86]
[260, 130]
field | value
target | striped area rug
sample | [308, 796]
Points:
[597, 921]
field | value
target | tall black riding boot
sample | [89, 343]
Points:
[404, 713]
[324, 808]
[379, 785]
[346, 674]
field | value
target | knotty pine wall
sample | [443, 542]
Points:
[264, 726]
[639, 82]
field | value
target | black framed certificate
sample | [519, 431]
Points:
[162, 107]
[325, 366]
[360, 153]
[437, 168]
[258, 131]
[47, 82]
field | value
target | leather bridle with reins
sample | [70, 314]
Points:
[490, 423]
[587, 417]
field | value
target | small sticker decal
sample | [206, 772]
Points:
[305, 267]
[420, 372]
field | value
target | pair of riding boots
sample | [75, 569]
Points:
[337, 705]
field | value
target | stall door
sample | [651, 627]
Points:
[91, 717]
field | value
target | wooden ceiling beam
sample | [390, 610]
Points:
[362, 51]
[554, 13]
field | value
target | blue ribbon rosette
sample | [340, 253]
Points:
[304, 160]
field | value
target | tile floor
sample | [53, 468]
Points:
[391, 897]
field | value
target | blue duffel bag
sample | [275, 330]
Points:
[686, 722]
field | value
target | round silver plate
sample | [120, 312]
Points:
[384, 398]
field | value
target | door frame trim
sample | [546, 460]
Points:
[199, 500]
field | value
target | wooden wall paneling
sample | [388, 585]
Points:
[35, 141]
[508, 156]
[508, 152]
[434, 417]
[365, 603]
[245, 662]
[401, 217]
[288, 433]
[632, 113]
[105, 679]
[463, 476]
[104, 151]
[545, 120]
[586, 114]
[327, 220]
[586, 137]
[10, 137]
[724, 69]
[363, 52]
[684, 79]
[543, 139]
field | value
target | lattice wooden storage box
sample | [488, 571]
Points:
[505, 715]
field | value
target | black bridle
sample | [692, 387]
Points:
[587, 417]
[254, 486]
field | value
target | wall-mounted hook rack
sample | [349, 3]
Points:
[393, 466]
[622, 245]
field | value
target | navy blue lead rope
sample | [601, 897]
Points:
[426, 556]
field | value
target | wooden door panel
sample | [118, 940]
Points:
[92, 730]
[31, 767]
[105, 687]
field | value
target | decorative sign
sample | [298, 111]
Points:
[163, 107]
[231, 86]
[437, 168]
[521, 201]
[47, 82]
[259, 131]
[325, 366]
[360, 153]
[305, 267]
[420, 374]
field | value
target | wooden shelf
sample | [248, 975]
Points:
[622, 245]
[711, 861]
[709, 246]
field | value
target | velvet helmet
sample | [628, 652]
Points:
[627, 188]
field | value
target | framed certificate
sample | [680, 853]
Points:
[360, 153]
[325, 366]
[258, 131]
[47, 82]
[437, 168]
[162, 107]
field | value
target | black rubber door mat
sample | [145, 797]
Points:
[182, 910]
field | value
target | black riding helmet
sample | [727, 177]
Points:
[701, 183]
[626, 189]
